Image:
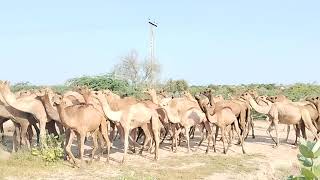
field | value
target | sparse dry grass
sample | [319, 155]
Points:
[194, 166]
[191, 167]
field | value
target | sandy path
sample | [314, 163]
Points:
[266, 166]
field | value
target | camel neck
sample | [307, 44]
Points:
[62, 114]
[53, 113]
[210, 117]
[111, 115]
[154, 99]
[258, 108]
[11, 100]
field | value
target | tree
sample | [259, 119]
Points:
[176, 85]
[136, 71]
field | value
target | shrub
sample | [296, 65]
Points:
[309, 158]
[51, 150]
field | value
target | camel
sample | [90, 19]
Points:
[285, 113]
[309, 106]
[26, 104]
[81, 119]
[133, 116]
[239, 108]
[22, 122]
[223, 118]
[186, 113]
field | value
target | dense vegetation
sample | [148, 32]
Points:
[122, 87]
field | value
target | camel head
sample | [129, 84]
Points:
[202, 101]
[81, 89]
[24, 93]
[99, 94]
[57, 100]
[163, 93]
[207, 92]
[186, 94]
[5, 87]
[277, 98]
[262, 100]
[314, 100]
[253, 93]
[246, 96]
[150, 91]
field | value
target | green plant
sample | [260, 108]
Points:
[309, 157]
[51, 150]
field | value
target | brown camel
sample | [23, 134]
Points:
[26, 104]
[309, 106]
[133, 116]
[185, 113]
[285, 113]
[81, 119]
[223, 117]
[240, 109]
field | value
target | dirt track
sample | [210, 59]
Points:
[262, 162]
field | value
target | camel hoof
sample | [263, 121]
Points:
[253, 137]
[275, 146]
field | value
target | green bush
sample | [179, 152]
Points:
[51, 150]
[309, 158]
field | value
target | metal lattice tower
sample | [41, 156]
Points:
[153, 25]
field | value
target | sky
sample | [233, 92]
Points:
[203, 42]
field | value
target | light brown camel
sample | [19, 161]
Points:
[240, 109]
[26, 104]
[22, 122]
[133, 116]
[309, 106]
[186, 113]
[81, 119]
[223, 118]
[285, 113]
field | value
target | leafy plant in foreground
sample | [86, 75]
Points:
[51, 150]
[309, 158]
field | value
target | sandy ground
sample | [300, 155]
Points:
[268, 163]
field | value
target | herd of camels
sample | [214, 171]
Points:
[103, 115]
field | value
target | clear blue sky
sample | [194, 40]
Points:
[220, 42]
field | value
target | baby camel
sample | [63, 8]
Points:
[81, 119]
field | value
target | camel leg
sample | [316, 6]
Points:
[104, 132]
[303, 130]
[224, 140]
[30, 134]
[16, 137]
[67, 134]
[308, 123]
[241, 137]
[269, 130]
[24, 139]
[277, 135]
[192, 131]
[42, 125]
[82, 138]
[147, 138]
[202, 126]
[156, 134]
[177, 137]
[60, 127]
[187, 130]
[297, 129]
[126, 144]
[37, 132]
[210, 136]
[95, 144]
[252, 127]
[68, 146]
[288, 132]
[1, 131]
